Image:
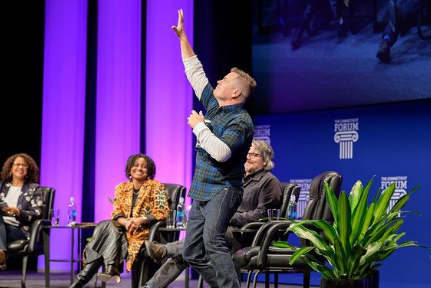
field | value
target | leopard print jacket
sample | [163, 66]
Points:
[152, 202]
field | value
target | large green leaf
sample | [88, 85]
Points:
[383, 202]
[308, 234]
[299, 253]
[403, 200]
[359, 214]
[355, 194]
[366, 224]
[327, 229]
[332, 202]
[322, 269]
[344, 227]
[340, 257]
[354, 259]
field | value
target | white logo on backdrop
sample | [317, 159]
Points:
[400, 187]
[262, 132]
[304, 194]
[345, 134]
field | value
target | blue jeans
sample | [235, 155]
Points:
[205, 246]
[172, 268]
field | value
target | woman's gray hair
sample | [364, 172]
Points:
[265, 150]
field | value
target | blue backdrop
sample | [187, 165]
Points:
[391, 141]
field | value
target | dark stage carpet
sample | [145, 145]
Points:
[12, 279]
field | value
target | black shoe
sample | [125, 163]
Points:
[77, 284]
[87, 273]
[155, 251]
[111, 273]
[384, 51]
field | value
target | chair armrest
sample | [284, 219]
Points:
[253, 225]
[36, 227]
[154, 229]
[273, 228]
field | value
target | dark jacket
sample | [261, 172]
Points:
[29, 203]
[262, 191]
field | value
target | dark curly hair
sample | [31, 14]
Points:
[151, 166]
[32, 170]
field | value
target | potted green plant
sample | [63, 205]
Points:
[361, 236]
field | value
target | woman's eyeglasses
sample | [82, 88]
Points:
[20, 164]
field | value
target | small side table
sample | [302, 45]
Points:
[46, 242]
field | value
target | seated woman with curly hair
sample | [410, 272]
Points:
[138, 202]
[21, 199]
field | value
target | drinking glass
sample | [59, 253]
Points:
[55, 217]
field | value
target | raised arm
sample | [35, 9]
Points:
[193, 67]
[186, 48]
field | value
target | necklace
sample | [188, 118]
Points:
[136, 191]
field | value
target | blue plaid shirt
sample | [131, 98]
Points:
[232, 125]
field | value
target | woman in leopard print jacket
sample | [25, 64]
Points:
[138, 202]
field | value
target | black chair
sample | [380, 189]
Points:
[288, 189]
[262, 257]
[34, 245]
[144, 266]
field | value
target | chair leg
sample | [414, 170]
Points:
[266, 279]
[248, 278]
[24, 271]
[200, 282]
[275, 280]
[255, 278]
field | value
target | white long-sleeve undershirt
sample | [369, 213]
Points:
[217, 149]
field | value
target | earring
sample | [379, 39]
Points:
[130, 176]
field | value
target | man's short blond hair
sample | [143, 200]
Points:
[248, 82]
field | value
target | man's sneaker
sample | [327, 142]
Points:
[155, 251]
[384, 51]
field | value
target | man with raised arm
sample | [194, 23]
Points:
[223, 137]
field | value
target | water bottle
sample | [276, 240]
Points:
[72, 211]
[180, 214]
[291, 210]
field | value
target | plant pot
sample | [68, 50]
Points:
[344, 283]
[370, 282]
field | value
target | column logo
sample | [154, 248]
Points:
[346, 134]
[263, 132]
[304, 194]
[400, 187]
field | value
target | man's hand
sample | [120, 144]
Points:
[195, 118]
[179, 29]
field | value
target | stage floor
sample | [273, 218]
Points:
[12, 279]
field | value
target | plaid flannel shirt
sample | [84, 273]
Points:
[232, 125]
